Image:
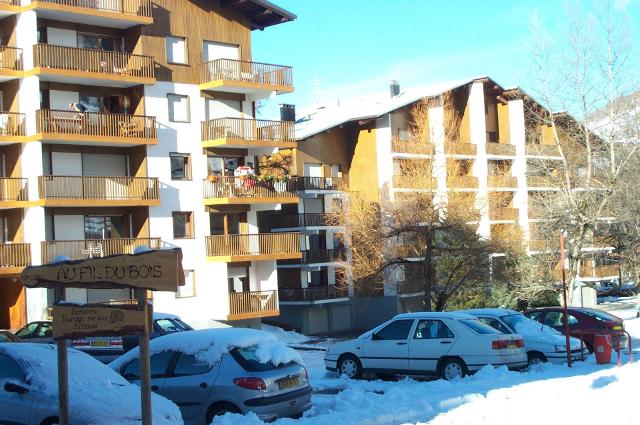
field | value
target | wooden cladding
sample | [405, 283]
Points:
[503, 149]
[401, 181]
[125, 7]
[247, 305]
[310, 295]
[11, 58]
[246, 189]
[95, 125]
[462, 182]
[457, 148]
[542, 181]
[98, 188]
[503, 213]
[12, 124]
[399, 146]
[245, 247]
[90, 248]
[15, 255]
[248, 130]
[13, 189]
[116, 65]
[542, 150]
[252, 73]
[502, 182]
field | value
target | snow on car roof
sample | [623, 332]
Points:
[489, 311]
[97, 394]
[158, 316]
[210, 344]
[434, 314]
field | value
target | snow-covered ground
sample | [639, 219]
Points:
[584, 394]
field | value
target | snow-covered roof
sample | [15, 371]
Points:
[489, 311]
[323, 117]
[434, 315]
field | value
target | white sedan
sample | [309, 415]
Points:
[542, 343]
[447, 345]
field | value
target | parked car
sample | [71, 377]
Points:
[214, 371]
[584, 323]
[40, 331]
[542, 343]
[29, 390]
[448, 345]
[8, 336]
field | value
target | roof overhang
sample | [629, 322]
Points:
[261, 13]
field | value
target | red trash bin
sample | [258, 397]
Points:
[602, 348]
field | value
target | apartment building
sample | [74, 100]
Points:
[481, 148]
[129, 123]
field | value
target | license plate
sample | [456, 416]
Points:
[100, 343]
[288, 383]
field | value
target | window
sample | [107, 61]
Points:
[100, 42]
[176, 50]
[223, 166]
[188, 364]
[182, 224]
[432, 329]
[189, 287]
[45, 330]
[555, 319]
[159, 363]
[27, 331]
[180, 166]
[10, 369]
[479, 327]
[495, 323]
[178, 107]
[396, 330]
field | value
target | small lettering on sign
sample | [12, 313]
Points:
[71, 321]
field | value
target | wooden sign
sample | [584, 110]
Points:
[159, 270]
[77, 321]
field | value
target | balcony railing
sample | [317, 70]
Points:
[261, 74]
[114, 64]
[13, 189]
[89, 248]
[320, 183]
[317, 256]
[462, 182]
[247, 305]
[502, 182]
[14, 255]
[504, 149]
[94, 188]
[503, 213]
[313, 294]
[10, 2]
[537, 244]
[10, 58]
[610, 270]
[456, 148]
[244, 189]
[267, 245]
[541, 150]
[248, 130]
[414, 182]
[401, 146]
[95, 125]
[542, 181]
[12, 124]
[304, 220]
[125, 7]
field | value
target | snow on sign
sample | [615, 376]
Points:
[158, 270]
[75, 321]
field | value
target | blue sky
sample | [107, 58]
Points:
[343, 48]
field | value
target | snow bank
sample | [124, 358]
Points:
[97, 394]
[209, 345]
[286, 337]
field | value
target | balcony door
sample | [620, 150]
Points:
[104, 227]
[238, 278]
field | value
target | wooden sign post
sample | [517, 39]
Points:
[159, 270]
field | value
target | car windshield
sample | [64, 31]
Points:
[601, 315]
[513, 320]
[171, 325]
[246, 357]
[479, 327]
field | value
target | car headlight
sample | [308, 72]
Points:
[560, 348]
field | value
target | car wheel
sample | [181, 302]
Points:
[219, 410]
[452, 368]
[350, 366]
[536, 358]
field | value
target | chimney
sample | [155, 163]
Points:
[288, 112]
[394, 88]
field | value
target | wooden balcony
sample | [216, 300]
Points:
[253, 247]
[90, 66]
[90, 191]
[106, 13]
[462, 182]
[236, 76]
[248, 133]
[9, 7]
[501, 149]
[503, 213]
[599, 272]
[88, 248]
[248, 190]
[12, 127]
[304, 220]
[320, 184]
[457, 148]
[542, 150]
[315, 257]
[249, 305]
[537, 245]
[117, 129]
[314, 294]
[14, 257]
[414, 182]
[10, 62]
[400, 146]
[541, 182]
[13, 192]
[502, 182]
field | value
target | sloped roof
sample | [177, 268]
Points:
[261, 13]
[323, 117]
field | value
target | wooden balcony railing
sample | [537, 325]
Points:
[541, 150]
[88, 248]
[12, 124]
[122, 65]
[329, 292]
[502, 182]
[14, 255]
[304, 220]
[402, 146]
[11, 58]
[537, 245]
[126, 7]
[247, 305]
[13, 189]
[504, 149]
[10, 2]
[414, 182]
[267, 245]
[92, 188]
[462, 182]
[320, 183]
[245, 189]
[94, 124]
[541, 181]
[317, 256]
[248, 130]
[246, 72]
[457, 148]
[503, 213]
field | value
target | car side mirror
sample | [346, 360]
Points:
[375, 337]
[130, 377]
[12, 387]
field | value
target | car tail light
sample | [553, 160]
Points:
[617, 327]
[500, 344]
[250, 383]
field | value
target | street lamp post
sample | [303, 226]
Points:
[565, 311]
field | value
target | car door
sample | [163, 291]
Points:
[388, 348]
[431, 340]
[189, 384]
[15, 406]
[159, 366]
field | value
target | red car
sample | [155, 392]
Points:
[584, 323]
